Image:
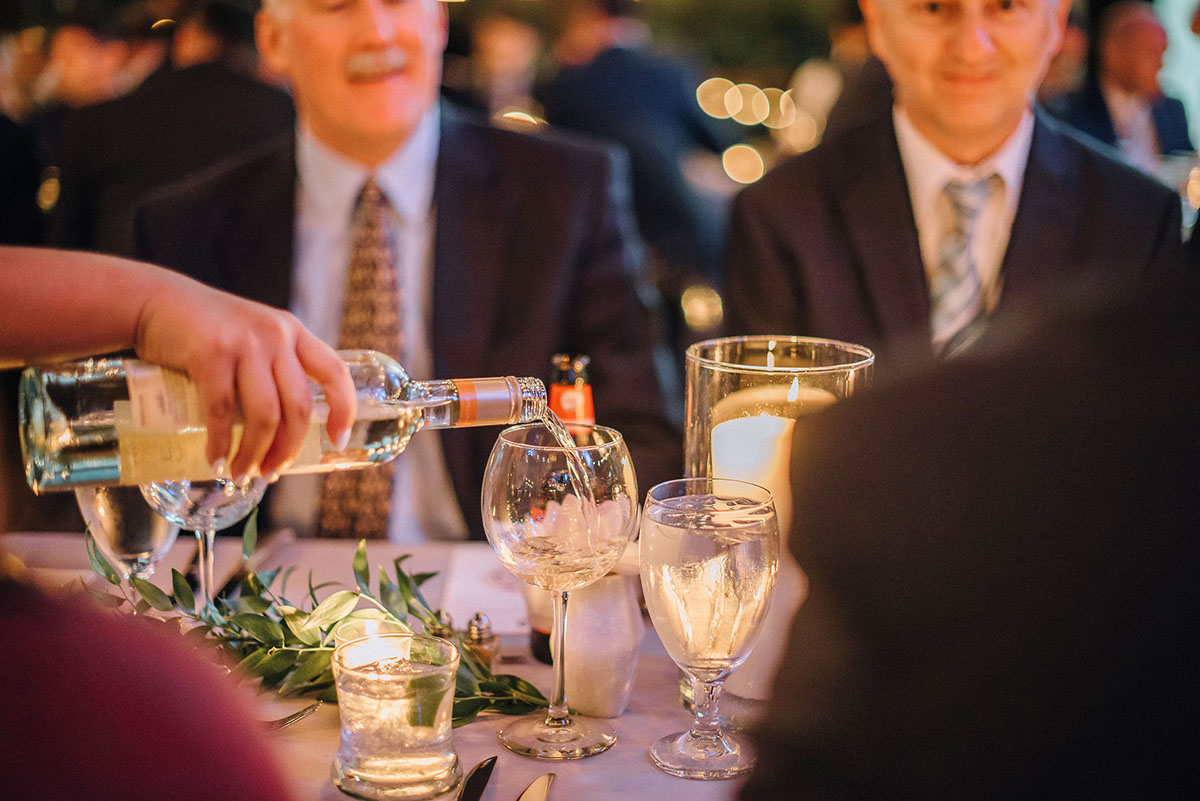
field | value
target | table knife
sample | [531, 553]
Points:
[538, 789]
[476, 780]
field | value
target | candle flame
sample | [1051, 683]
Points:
[794, 392]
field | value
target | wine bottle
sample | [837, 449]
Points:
[122, 421]
[570, 391]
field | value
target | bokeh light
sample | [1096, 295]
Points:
[711, 97]
[743, 164]
[747, 104]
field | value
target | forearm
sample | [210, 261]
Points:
[59, 304]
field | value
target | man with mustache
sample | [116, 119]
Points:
[907, 232]
[503, 249]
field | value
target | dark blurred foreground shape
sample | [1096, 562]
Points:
[97, 705]
[1003, 563]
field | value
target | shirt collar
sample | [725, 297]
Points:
[927, 169]
[330, 182]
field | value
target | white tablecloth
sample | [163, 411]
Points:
[308, 747]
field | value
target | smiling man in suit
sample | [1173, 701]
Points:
[492, 249]
[907, 232]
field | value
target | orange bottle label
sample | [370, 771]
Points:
[572, 404]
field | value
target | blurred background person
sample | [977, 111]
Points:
[85, 55]
[610, 83]
[208, 107]
[499, 73]
[1068, 67]
[1122, 104]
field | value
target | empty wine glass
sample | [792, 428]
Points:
[559, 516]
[204, 507]
[126, 529]
[709, 554]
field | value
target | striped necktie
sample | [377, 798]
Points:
[956, 291]
[356, 503]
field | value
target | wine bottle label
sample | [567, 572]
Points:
[161, 399]
[160, 429]
[149, 455]
[487, 401]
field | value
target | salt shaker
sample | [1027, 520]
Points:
[482, 642]
[602, 645]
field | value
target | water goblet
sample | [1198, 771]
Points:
[204, 507]
[125, 528]
[559, 509]
[709, 552]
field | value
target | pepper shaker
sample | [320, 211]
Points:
[483, 643]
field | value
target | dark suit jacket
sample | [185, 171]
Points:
[1086, 110]
[1002, 557]
[115, 153]
[534, 254]
[826, 244]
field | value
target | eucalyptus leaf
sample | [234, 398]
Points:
[261, 627]
[466, 709]
[333, 609]
[309, 667]
[104, 598]
[299, 624]
[184, 598]
[391, 598]
[152, 594]
[249, 664]
[250, 534]
[99, 564]
[362, 571]
[276, 662]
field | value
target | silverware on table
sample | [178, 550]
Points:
[476, 780]
[538, 789]
[298, 715]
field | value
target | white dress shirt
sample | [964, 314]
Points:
[424, 506]
[927, 171]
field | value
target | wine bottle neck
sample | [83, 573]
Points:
[480, 401]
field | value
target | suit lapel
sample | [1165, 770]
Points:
[469, 247]
[873, 197]
[1047, 214]
[257, 245]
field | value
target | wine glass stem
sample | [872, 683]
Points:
[704, 722]
[558, 716]
[204, 561]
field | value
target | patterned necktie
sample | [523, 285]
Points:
[356, 503]
[956, 292]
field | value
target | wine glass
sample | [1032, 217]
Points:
[204, 507]
[125, 528]
[709, 554]
[559, 516]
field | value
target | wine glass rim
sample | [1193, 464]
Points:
[757, 504]
[859, 356]
[509, 438]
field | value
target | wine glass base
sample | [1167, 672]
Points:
[581, 737]
[690, 757]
